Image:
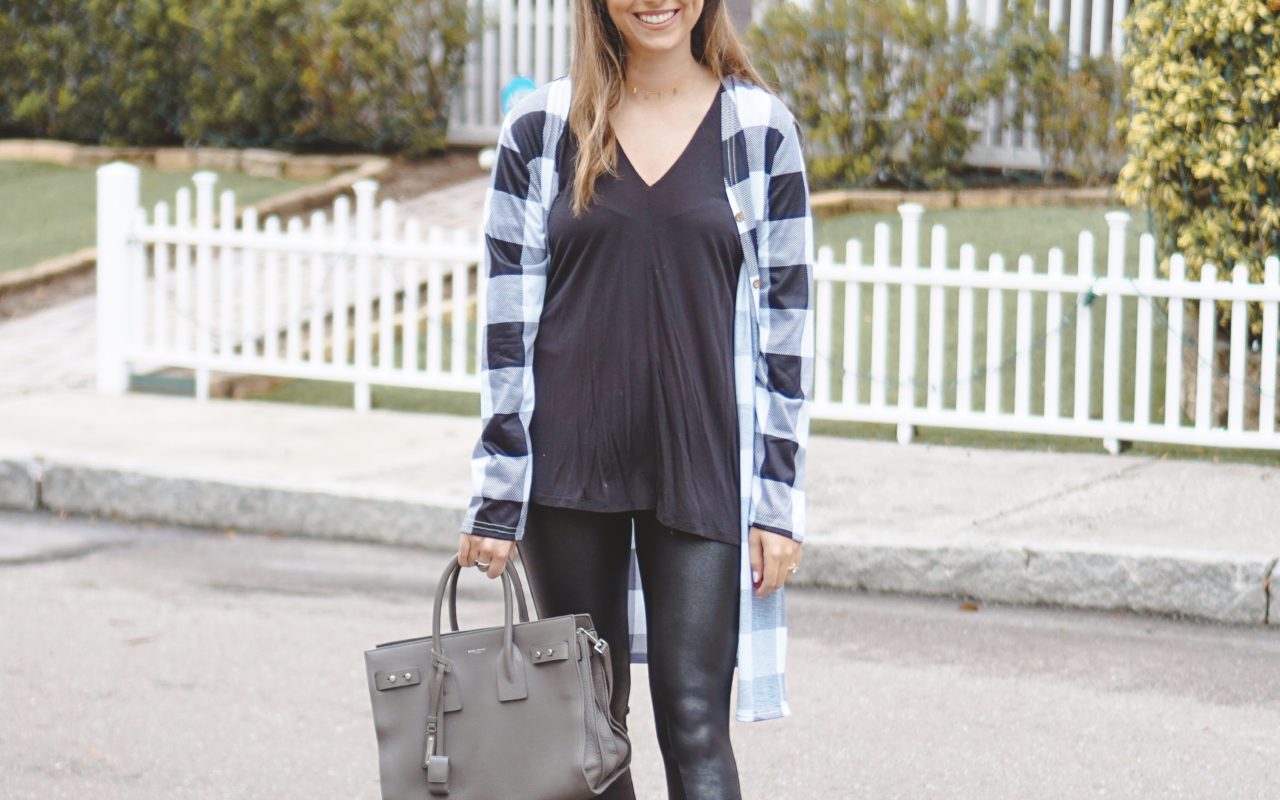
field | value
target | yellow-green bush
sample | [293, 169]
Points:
[1204, 137]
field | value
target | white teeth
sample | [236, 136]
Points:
[656, 19]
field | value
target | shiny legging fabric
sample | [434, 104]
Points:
[576, 561]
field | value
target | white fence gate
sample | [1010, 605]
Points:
[532, 38]
[365, 300]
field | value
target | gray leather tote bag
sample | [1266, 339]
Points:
[512, 712]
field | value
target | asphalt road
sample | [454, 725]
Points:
[141, 661]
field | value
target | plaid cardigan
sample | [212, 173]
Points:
[773, 347]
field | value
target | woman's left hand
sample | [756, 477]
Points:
[772, 556]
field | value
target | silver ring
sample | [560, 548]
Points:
[483, 564]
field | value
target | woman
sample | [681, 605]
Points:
[648, 248]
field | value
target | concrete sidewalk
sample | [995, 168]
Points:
[1093, 531]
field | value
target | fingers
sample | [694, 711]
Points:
[479, 551]
[772, 572]
[778, 553]
[756, 541]
[496, 557]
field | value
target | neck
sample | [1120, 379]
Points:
[660, 71]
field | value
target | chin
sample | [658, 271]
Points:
[663, 45]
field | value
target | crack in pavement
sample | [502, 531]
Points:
[249, 588]
[59, 554]
[1267, 592]
[1121, 473]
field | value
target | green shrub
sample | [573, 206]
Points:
[868, 77]
[39, 48]
[947, 72]
[1075, 108]
[247, 56]
[886, 88]
[382, 73]
[90, 70]
[367, 74]
[1204, 137]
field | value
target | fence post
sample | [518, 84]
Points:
[204, 181]
[910, 213]
[822, 312]
[482, 288]
[1176, 341]
[1236, 356]
[880, 316]
[1269, 346]
[117, 202]
[1084, 332]
[1142, 345]
[364, 191]
[1111, 354]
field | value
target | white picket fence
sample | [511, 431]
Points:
[360, 299]
[532, 38]
[925, 393]
[366, 300]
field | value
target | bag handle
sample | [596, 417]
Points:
[511, 683]
[521, 607]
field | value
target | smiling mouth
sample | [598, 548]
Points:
[657, 17]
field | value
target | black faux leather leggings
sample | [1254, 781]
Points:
[577, 561]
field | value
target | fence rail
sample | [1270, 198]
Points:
[362, 297]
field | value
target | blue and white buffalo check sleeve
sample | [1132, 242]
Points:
[515, 263]
[784, 378]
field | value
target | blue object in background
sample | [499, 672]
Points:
[515, 89]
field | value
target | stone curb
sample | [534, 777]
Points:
[1206, 585]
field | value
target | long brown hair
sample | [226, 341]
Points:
[599, 69]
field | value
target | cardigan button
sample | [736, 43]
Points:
[756, 283]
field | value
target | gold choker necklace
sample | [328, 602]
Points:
[636, 90]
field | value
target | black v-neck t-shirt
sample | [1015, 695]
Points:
[633, 361]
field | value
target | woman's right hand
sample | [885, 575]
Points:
[486, 549]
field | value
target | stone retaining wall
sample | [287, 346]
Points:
[833, 203]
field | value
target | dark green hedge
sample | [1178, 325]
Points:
[293, 74]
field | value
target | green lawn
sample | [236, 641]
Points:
[1008, 231]
[48, 210]
[1012, 232]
